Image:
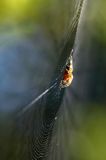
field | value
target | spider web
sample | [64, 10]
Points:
[35, 122]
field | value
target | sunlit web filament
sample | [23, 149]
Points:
[37, 98]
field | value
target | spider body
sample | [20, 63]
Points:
[68, 74]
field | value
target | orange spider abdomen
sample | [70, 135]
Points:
[67, 76]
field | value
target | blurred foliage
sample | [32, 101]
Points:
[89, 141]
[52, 15]
[97, 19]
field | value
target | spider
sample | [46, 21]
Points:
[68, 74]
